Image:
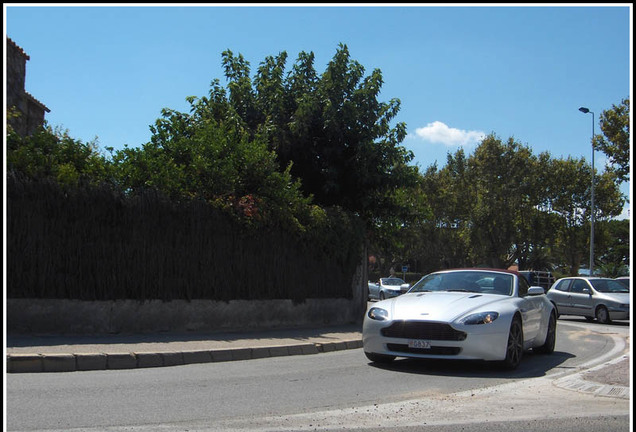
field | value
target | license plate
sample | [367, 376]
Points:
[421, 344]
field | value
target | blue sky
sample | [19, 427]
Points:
[459, 71]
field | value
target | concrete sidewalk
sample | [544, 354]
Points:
[43, 353]
[29, 354]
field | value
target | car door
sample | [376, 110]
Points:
[560, 296]
[373, 290]
[581, 298]
[532, 310]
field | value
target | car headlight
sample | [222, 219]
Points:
[378, 314]
[479, 318]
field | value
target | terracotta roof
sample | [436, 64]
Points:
[18, 48]
[30, 96]
[26, 56]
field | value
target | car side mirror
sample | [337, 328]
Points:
[535, 291]
[587, 291]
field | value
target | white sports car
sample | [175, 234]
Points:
[467, 314]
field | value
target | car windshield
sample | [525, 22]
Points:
[608, 286]
[623, 281]
[392, 281]
[469, 281]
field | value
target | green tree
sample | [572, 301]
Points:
[192, 156]
[533, 244]
[569, 198]
[395, 241]
[443, 240]
[55, 154]
[502, 181]
[338, 138]
[612, 244]
[614, 141]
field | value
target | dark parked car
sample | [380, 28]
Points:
[592, 297]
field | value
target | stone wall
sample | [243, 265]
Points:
[51, 316]
[58, 316]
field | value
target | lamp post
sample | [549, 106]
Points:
[585, 111]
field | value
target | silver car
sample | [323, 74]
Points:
[603, 299]
[624, 280]
[463, 314]
[387, 287]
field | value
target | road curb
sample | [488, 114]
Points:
[33, 363]
[577, 382]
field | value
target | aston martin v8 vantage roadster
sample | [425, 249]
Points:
[464, 314]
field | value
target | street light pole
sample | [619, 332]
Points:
[585, 111]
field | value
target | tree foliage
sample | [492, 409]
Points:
[503, 205]
[316, 153]
[193, 156]
[614, 141]
[55, 154]
[329, 130]
[280, 141]
[613, 244]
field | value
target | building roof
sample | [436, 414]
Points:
[26, 56]
[37, 102]
[20, 50]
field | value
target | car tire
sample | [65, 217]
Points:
[514, 347]
[382, 296]
[379, 358]
[550, 337]
[602, 315]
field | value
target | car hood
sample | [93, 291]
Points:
[617, 297]
[440, 306]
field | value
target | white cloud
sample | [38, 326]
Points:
[439, 133]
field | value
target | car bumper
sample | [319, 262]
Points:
[481, 343]
[619, 314]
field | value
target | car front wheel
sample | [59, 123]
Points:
[602, 315]
[514, 349]
[550, 337]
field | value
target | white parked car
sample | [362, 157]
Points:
[592, 297]
[387, 288]
[464, 314]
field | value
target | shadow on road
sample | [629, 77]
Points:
[532, 366]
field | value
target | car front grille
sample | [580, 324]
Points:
[434, 350]
[423, 330]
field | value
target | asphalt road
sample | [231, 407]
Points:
[329, 391]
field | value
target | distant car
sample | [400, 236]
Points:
[386, 288]
[463, 314]
[603, 299]
[624, 280]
